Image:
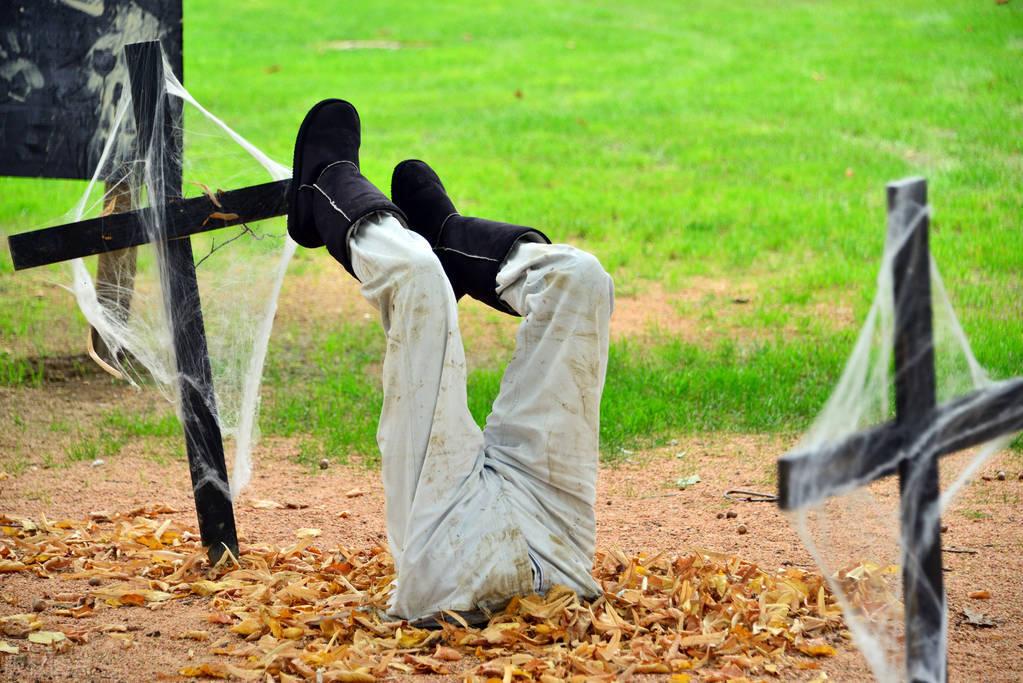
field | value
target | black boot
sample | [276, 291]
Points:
[328, 194]
[472, 250]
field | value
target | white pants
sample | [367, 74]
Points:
[475, 517]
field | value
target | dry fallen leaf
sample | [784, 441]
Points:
[979, 595]
[220, 216]
[121, 594]
[19, 625]
[265, 504]
[209, 194]
[447, 654]
[974, 618]
[308, 610]
[816, 648]
[195, 635]
[46, 637]
[206, 670]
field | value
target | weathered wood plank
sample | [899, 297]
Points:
[963, 423]
[923, 590]
[184, 217]
[198, 405]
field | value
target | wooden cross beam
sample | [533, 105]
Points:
[809, 477]
[911, 444]
[182, 218]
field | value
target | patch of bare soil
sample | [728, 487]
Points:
[640, 509]
[318, 294]
[703, 310]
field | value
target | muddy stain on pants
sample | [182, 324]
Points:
[474, 516]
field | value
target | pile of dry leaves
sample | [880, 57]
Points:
[308, 612]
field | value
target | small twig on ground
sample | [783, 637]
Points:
[661, 495]
[747, 496]
[964, 551]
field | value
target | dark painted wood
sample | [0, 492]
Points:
[981, 416]
[913, 442]
[155, 115]
[965, 422]
[184, 217]
[923, 590]
[65, 77]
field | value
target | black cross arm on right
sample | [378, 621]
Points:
[866, 456]
[121, 230]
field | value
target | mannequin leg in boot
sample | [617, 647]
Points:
[543, 433]
[450, 530]
[454, 540]
[471, 250]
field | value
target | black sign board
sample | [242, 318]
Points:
[62, 77]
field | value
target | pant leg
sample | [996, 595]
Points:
[543, 433]
[448, 526]
[428, 440]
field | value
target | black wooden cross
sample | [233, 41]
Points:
[911, 443]
[183, 217]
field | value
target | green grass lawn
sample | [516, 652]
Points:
[745, 141]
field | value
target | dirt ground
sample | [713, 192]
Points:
[639, 507]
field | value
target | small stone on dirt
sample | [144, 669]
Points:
[721, 515]
[944, 528]
[98, 462]
[95, 581]
[731, 514]
[1000, 476]
[742, 529]
[324, 464]
[685, 482]
[38, 605]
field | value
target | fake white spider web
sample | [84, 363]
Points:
[855, 534]
[239, 269]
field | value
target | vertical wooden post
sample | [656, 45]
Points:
[923, 589]
[198, 408]
[115, 282]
